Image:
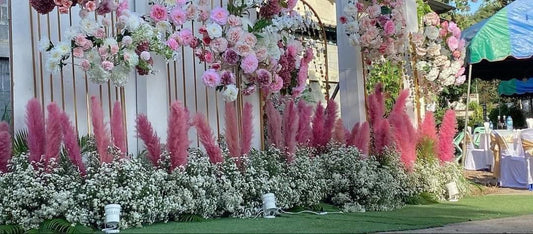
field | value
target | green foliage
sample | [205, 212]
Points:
[190, 218]
[425, 149]
[63, 226]
[390, 75]
[11, 229]
[20, 145]
[476, 118]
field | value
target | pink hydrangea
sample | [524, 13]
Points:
[234, 35]
[219, 15]
[453, 43]
[211, 78]
[249, 63]
[158, 13]
[178, 16]
[277, 85]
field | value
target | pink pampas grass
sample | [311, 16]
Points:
[177, 136]
[150, 139]
[36, 130]
[100, 132]
[318, 126]
[290, 127]
[376, 104]
[304, 123]
[208, 140]
[274, 126]
[5, 149]
[382, 135]
[70, 139]
[403, 130]
[363, 138]
[53, 133]
[352, 138]
[247, 128]
[117, 129]
[329, 122]
[447, 131]
[232, 130]
[427, 128]
[339, 134]
[4, 127]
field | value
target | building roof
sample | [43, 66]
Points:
[439, 7]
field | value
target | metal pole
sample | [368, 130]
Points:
[466, 112]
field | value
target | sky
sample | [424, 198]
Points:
[475, 5]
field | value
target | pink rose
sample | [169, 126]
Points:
[114, 49]
[443, 32]
[203, 14]
[77, 52]
[172, 43]
[453, 43]
[185, 36]
[194, 43]
[219, 15]
[219, 45]
[249, 64]
[79, 40]
[63, 10]
[85, 65]
[231, 57]
[277, 84]
[87, 44]
[374, 10]
[444, 25]
[234, 21]
[249, 39]
[100, 33]
[359, 6]
[243, 49]
[90, 6]
[108, 66]
[227, 78]
[264, 77]
[158, 13]
[178, 16]
[234, 35]
[102, 51]
[456, 54]
[209, 57]
[261, 54]
[211, 78]
[389, 28]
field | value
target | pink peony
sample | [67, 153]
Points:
[219, 15]
[87, 45]
[264, 77]
[234, 21]
[203, 14]
[85, 65]
[107, 65]
[211, 78]
[249, 63]
[261, 54]
[457, 32]
[114, 49]
[100, 33]
[452, 43]
[389, 28]
[277, 84]
[178, 16]
[219, 45]
[243, 49]
[249, 39]
[79, 40]
[227, 78]
[77, 52]
[185, 37]
[90, 5]
[158, 13]
[173, 44]
[231, 57]
[234, 35]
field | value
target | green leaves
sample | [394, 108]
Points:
[259, 25]
[20, 144]
[11, 229]
[63, 226]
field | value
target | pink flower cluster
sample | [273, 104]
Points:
[101, 7]
[379, 30]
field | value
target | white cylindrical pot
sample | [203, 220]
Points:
[269, 205]
[452, 189]
[112, 214]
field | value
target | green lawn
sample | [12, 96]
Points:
[410, 217]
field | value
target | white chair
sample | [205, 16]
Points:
[512, 163]
[475, 159]
[529, 122]
[527, 143]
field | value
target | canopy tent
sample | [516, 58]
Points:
[515, 87]
[501, 47]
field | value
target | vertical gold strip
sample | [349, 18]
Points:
[74, 81]
[175, 81]
[218, 114]
[195, 88]
[87, 100]
[169, 85]
[183, 75]
[51, 77]
[109, 98]
[101, 94]
[10, 15]
[261, 119]
[124, 119]
[32, 49]
[40, 60]
[61, 70]
[206, 98]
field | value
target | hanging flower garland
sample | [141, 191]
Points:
[440, 53]
[379, 28]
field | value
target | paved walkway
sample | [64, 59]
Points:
[519, 224]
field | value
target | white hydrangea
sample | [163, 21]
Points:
[230, 93]
[214, 30]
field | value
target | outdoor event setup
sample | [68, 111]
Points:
[499, 48]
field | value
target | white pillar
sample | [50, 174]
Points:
[352, 90]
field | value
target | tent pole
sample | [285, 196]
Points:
[466, 112]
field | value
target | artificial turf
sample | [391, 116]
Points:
[409, 217]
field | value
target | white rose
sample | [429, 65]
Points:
[64, 48]
[145, 55]
[55, 55]
[89, 26]
[230, 93]
[51, 66]
[214, 30]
